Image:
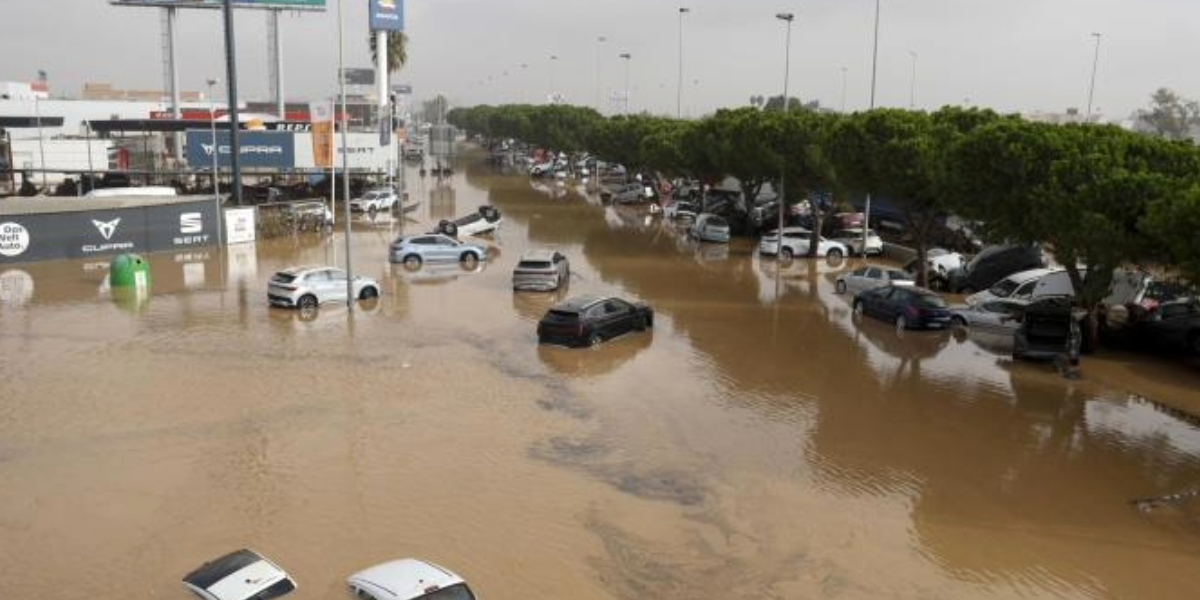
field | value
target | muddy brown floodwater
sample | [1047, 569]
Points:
[759, 443]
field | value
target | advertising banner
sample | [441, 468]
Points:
[89, 233]
[322, 133]
[288, 4]
[240, 225]
[387, 15]
[272, 149]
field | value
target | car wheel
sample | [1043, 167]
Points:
[372, 211]
[786, 253]
[834, 253]
[840, 287]
[368, 293]
[307, 301]
[412, 261]
[958, 321]
[858, 309]
[901, 323]
[468, 258]
[594, 340]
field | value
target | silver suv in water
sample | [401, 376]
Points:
[541, 271]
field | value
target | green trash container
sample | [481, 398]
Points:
[129, 271]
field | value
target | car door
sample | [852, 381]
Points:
[444, 248]
[894, 302]
[335, 285]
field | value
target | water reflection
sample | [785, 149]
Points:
[532, 306]
[593, 362]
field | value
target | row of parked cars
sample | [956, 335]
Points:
[247, 575]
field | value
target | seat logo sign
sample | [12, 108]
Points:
[14, 239]
[191, 230]
[107, 229]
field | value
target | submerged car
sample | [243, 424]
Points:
[485, 220]
[796, 242]
[413, 250]
[307, 287]
[852, 238]
[541, 271]
[906, 306]
[590, 320]
[409, 579]
[998, 315]
[710, 228]
[240, 575]
[1049, 328]
[374, 201]
[870, 277]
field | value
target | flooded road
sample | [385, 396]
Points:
[758, 443]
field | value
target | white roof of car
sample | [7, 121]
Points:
[539, 255]
[236, 576]
[1030, 274]
[403, 579]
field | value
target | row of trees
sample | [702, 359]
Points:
[1094, 195]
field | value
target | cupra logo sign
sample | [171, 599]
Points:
[107, 229]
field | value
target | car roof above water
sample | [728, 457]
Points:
[404, 579]
[580, 303]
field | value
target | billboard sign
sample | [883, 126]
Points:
[278, 4]
[387, 15]
[272, 149]
[104, 232]
[358, 76]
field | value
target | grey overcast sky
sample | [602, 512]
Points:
[1011, 55]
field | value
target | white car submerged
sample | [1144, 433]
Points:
[409, 579]
[374, 201]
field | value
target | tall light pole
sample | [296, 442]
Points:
[553, 97]
[843, 89]
[787, 52]
[1092, 86]
[912, 81]
[345, 119]
[679, 85]
[626, 56]
[599, 40]
[216, 149]
[874, 64]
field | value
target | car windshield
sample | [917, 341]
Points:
[929, 301]
[279, 588]
[458, 591]
[1004, 288]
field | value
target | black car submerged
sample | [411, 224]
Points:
[590, 320]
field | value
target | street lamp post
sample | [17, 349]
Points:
[843, 89]
[874, 64]
[626, 56]
[216, 149]
[787, 51]
[599, 40]
[912, 81]
[553, 97]
[1092, 86]
[679, 84]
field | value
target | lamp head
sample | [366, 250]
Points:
[785, 17]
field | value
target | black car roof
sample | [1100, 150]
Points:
[580, 303]
[217, 569]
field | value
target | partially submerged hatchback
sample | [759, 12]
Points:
[307, 287]
[541, 271]
[409, 579]
[240, 575]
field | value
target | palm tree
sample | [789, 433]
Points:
[397, 50]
